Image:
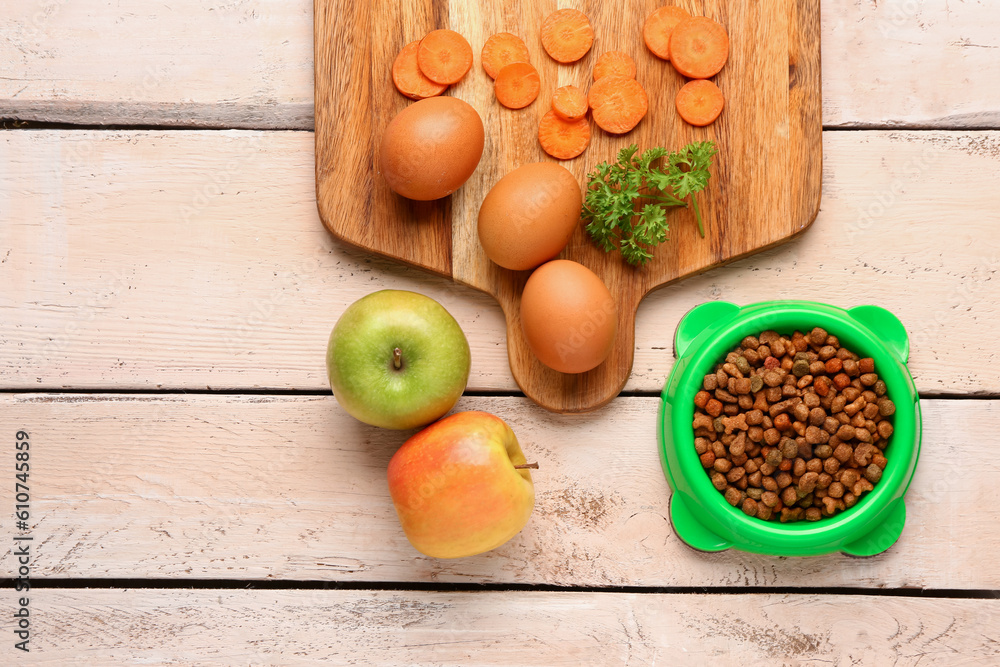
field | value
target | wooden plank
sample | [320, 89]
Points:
[347, 627]
[197, 259]
[186, 63]
[266, 487]
[249, 64]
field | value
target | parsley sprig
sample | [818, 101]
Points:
[615, 189]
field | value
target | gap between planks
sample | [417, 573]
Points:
[447, 587]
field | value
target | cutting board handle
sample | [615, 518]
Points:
[569, 393]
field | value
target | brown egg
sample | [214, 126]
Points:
[569, 317]
[529, 215]
[431, 147]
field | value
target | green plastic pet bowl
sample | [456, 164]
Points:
[700, 514]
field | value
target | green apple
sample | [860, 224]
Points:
[397, 359]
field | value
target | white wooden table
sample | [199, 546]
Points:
[197, 496]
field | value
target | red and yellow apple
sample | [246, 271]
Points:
[461, 486]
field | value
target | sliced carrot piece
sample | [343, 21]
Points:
[614, 63]
[444, 56]
[699, 102]
[409, 79]
[563, 139]
[569, 103]
[658, 26]
[567, 35]
[503, 49]
[517, 85]
[618, 103]
[699, 47]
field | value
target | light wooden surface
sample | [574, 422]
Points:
[138, 260]
[150, 259]
[283, 487]
[765, 185]
[227, 627]
[217, 63]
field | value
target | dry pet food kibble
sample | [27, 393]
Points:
[793, 428]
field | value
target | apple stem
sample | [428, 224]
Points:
[522, 466]
[397, 358]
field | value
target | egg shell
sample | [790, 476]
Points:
[431, 148]
[568, 316]
[529, 216]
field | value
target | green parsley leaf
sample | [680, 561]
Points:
[614, 190]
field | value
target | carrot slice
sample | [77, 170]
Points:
[614, 63]
[617, 103]
[699, 102]
[501, 50]
[563, 139]
[699, 47]
[658, 26]
[517, 85]
[569, 103]
[409, 79]
[567, 35]
[444, 56]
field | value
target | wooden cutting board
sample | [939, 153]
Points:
[765, 186]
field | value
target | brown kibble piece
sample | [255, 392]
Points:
[873, 473]
[750, 507]
[843, 452]
[866, 365]
[707, 459]
[710, 383]
[831, 465]
[719, 481]
[773, 378]
[701, 398]
[817, 336]
[850, 367]
[841, 381]
[886, 407]
[714, 407]
[738, 422]
[833, 366]
[850, 477]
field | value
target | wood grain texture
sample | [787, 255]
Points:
[266, 487]
[196, 259]
[766, 179]
[226, 627]
[248, 64]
